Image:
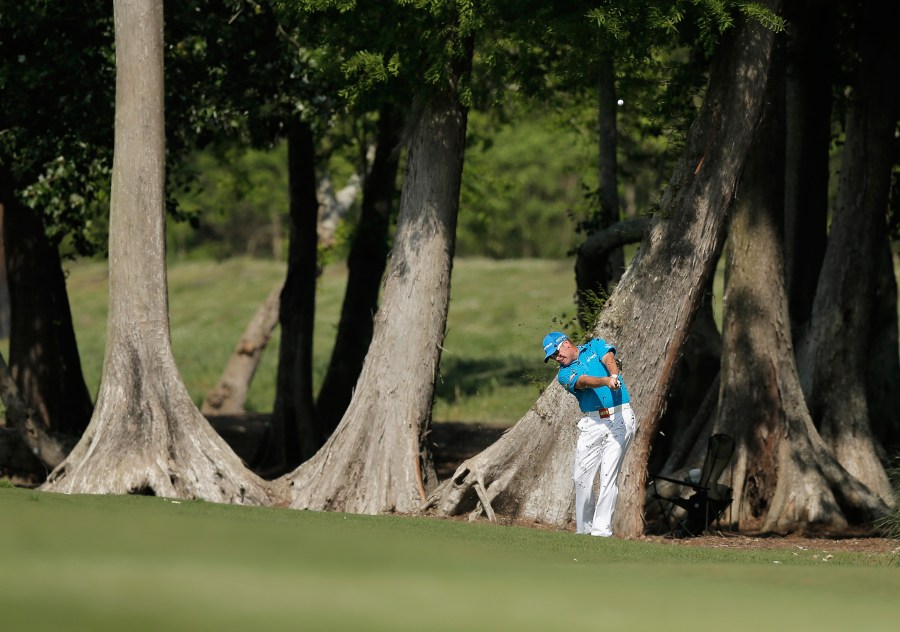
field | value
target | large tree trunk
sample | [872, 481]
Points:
[808, 106]
[698, 369]
[43, 353]
[295, 433]
[378, 460]
[832, 358]
[528, 472]
[883, 362]
[4, 286]
[783, 475]
[44, 450]
[146, 435]
[230, 393]
[365, 268]
[595, 272]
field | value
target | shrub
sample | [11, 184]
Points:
[889, 524]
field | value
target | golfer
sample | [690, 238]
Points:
[590, 373]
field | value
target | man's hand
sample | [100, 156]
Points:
[615, 384]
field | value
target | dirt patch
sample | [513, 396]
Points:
[454, 442]
[799, 544]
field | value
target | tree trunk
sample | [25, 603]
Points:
[808, 102]
[648, 315]
[277, 238]
[45, 451]
[43, 353]
[608, 141]
[595, 272]
[783, 475]
[230, 393]
[333, 207]
[698, 367]
[16, 460]
[883, 364]
[4, 285]
[628, 231]
[377, 460]
[146, 435]
[365, 268]
[295, 434]
[832, 358]
[688, 449]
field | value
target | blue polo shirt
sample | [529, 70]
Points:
[588, 363]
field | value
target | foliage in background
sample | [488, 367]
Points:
[531, 163]
[56, 98]
[529, 176]
[520, 182]
[237, 201]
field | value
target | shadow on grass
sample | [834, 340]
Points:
[467, 377]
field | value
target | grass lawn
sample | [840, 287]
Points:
[491, 369]
[141, 563]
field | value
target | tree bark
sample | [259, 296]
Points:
[230, 393]
[783, 475]
[833, 369]
[333, 207]
[378, 460]
[4, 286]
[627, 231]
[883, 364]
[45, 450]
[16, 460]
[43, 353]
[688, 449]
[647, 316]
[146, 435]
[698, 368]
[596, 271]
[295, 433]
[365, 268]
[808, 102]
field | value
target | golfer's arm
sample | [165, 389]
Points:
[609, 361]
[591, 381]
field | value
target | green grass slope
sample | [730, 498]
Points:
[491, 369]
[139, 563]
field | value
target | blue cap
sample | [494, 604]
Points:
[552, 342]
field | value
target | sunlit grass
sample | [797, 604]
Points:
[139, 563]
[210, 304]
[491, 370]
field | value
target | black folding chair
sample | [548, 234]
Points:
[709, 499]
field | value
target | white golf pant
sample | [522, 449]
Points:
[602, 442]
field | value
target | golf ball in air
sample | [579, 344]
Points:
[620, 102]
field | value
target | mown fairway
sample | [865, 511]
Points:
[139, 563]
[491, 368]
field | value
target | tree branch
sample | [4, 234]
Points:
[627, 231]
